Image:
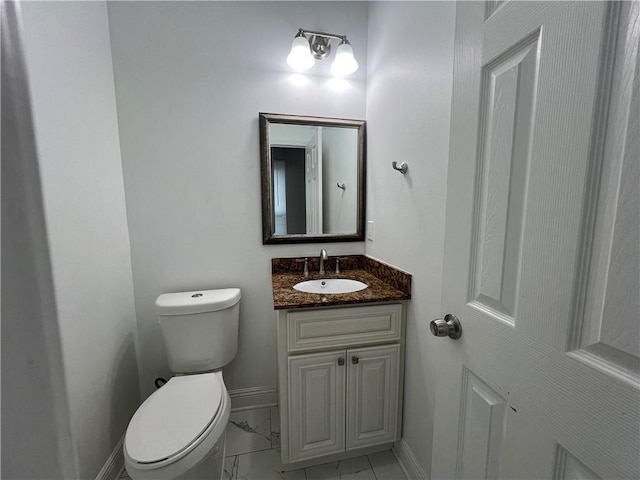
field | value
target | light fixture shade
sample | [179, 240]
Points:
[344, 63]
[300, 57]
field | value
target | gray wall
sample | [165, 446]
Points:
[409, 84]
[35, 416]
[69, 66]
[190, 80]
[339, 151]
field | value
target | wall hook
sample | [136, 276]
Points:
[342, 186]
[403, 168]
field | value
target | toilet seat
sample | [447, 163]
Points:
[177, 418]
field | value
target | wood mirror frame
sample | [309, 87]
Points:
[269, 236]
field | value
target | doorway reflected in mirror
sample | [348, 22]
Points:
[313, 178]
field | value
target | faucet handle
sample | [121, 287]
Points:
[306, 265]
[338, 264]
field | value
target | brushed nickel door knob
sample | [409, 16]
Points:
[447, 327]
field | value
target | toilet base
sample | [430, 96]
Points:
[211, 467]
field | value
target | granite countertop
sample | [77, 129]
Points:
[385, 283]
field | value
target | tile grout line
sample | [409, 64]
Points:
[372, 469]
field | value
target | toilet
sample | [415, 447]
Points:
[179, 431]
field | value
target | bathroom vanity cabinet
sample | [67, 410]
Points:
[340, 375]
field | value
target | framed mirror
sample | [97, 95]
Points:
[313, 179]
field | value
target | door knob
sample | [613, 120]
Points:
[450, 327]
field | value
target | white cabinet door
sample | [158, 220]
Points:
[373, 381]
[316, 404]
[544, 382]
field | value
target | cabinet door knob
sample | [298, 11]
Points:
[355, 360]
[341, 361]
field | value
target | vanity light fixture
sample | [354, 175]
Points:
[305, 51]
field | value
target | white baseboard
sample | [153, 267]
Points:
[112, 469]
[254, 397]
[408, 462]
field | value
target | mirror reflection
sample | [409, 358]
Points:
[313, 178]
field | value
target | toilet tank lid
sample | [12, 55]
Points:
[198, 301]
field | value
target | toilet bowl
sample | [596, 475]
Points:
[179, 431]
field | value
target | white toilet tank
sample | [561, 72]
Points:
[200, 328]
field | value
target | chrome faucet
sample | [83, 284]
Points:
[323, 257]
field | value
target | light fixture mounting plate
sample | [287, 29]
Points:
[320, 46]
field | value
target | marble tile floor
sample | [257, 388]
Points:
[253, 453]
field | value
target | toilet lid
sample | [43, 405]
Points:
[173, 417]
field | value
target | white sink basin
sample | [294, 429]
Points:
[330, 286]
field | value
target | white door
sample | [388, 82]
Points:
[373, 385]
[316, 404]
[542, 245]
[313, 187]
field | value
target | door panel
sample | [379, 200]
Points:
[507, 106]
[313, 181]
[541, 258]
[606, 330]
[569, 467]
[372, 395]
[482, 422]
[316, 410]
